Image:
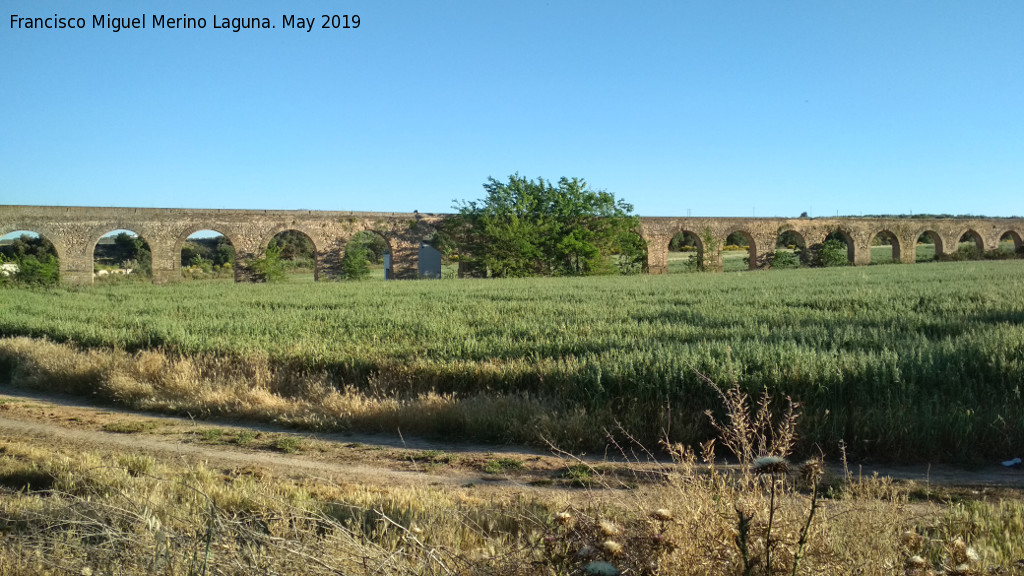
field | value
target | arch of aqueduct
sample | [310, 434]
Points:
[74, 232]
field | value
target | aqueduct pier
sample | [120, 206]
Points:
[74, 232]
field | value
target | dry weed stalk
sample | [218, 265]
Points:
[751, 434]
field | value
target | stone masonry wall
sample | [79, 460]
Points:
[74, 232]
[762, 234]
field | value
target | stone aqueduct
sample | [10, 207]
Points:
[74, 232]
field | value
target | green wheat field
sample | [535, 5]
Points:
[905, 362]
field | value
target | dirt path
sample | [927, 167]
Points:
[68, 422]
[72, 422]
[217, 456]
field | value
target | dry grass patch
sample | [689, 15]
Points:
[254, 390]
[143, 514]
[128, 427]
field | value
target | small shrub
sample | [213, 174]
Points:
[784, 260]
[211, 435]
[244, 438]
[695, 263]
[32, 270]
[288, 444]
[1000, 254]
[830, 253]
[206, 266]
[969, 252]
[579, 475]
[502, 465]
[269, 268]
[356, 263]
[780, 260]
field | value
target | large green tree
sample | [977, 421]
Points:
[535, 227]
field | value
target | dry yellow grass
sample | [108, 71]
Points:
[257, 390]
[93, 512]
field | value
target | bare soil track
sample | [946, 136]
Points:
[76, 424]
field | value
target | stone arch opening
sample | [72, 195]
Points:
[296, 252]
[970, 246]
[790, 250]
[685, 252]
[739, 252]
[207, 254]
[121, 254]
[928, 246]
[367, 255]
[28, 257]
[837, 249]
[885, 248]
[1011, 241]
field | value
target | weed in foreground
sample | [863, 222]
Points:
[244, 437]
[502, 465]
[211, 435]
[579, 474]
[288, 444]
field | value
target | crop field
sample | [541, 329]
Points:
[907, 362]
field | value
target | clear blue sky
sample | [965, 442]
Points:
[708, 108]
